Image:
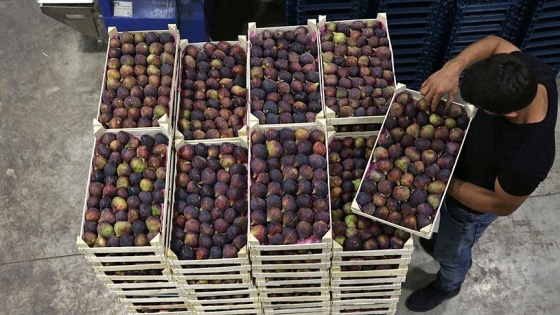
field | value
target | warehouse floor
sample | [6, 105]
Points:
[50, 87]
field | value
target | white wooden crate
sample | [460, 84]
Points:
[112, 32]
[162, 304]
[347, 282]
[311, 26]
[330, 115]
[243, 43]
[365, 309]
[425, 232]
[275, 267]
[236, 270]
[110, 261]
[233, 270]
[321, 307]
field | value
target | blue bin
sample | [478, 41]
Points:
[541, 38]
[418, 32]
[146, 15]
[475, 20]
[195, 19]
[297, 12]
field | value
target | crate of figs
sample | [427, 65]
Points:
[412, 162]
[208, 251]
[370, 260]
[284, 74]
[290, 233]
[213, 90]
[357, 70]
[139, 79]
[124, 218]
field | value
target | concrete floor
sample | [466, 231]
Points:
[50, 89]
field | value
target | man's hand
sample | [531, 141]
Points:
[444, 81]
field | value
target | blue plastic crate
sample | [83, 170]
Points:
[541, 38]
[475, 20]
[299, 11]
[194, 23]
[146, 15]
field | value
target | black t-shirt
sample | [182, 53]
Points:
[519, 155]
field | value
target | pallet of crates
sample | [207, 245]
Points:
[413, 158]
[212, 90]
[418, 31]
[541, 37]
[370, 260]
[290, 239]
[124, 217]
[208, 252]
[357, 70]
[139, 79]
[476, 19]
[284, 74]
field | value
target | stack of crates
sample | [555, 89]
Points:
[218, 285]
[476, 19]
[139, 276]
[418, 31]
[299, 11]
[291, 278]
[542, 38]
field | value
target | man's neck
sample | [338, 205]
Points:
[535, 112]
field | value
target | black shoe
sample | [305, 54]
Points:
[429, 244]
[428, 298]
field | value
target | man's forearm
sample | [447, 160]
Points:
[477, 198]
[476, 51]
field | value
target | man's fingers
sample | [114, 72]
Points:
[435, 100]
[428, 96]
[450, 99]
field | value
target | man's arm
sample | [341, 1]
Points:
[446, 80]
[497, 202]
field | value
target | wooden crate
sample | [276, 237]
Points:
[112, 31]
[169, 304]
[425, 232]
[243, 43]
[215, 286]
[365, 309]
[330, 115]
[348, 283]
[311, 26]
[122, 263]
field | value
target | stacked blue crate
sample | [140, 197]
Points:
[297, 12]
[476, 19]
[542, 38]
[195, 19]
[146, 15]
[418, 30]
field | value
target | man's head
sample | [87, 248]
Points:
[500, 84]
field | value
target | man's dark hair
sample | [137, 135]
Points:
[500, 84]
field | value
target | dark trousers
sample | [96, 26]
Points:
[458, 231]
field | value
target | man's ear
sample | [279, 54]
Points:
[511, 115]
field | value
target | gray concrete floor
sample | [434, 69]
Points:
[50, 84]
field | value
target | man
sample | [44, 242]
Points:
[508, 151]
